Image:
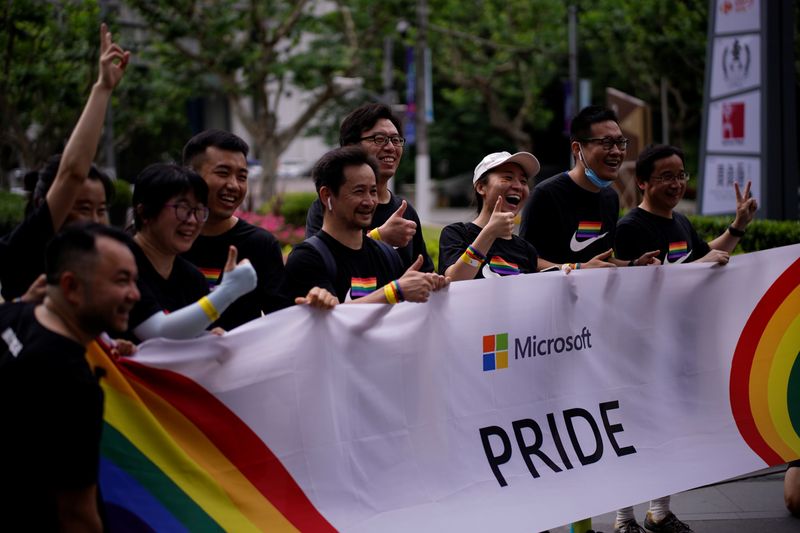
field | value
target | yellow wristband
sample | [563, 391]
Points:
[388, 292]
[208, 308]
[374, 234]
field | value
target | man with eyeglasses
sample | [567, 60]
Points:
[571, 218]
[661, 176]
[373, 127]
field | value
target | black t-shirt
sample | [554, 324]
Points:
[640, 231]
[51, 419]
[568, 224]
[505, 257]
[407, 253]
[209, 255]
[184, 286]
[358, 272]
[23, 259]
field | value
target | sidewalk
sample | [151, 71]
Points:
[749, 504]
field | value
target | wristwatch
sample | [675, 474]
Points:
[735, 232]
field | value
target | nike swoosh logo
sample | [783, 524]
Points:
[677, 261]
[488, 272]
[577, 246]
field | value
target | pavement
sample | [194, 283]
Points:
[747, 504]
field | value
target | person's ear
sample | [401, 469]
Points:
[70, 286]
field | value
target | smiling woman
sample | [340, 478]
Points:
[169, 212]
[487, 247]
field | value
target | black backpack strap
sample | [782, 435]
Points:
[327, 257]
[392, 256]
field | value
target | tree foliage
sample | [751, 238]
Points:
[260, 54]
[49, 63]
[632, 46]
[500, 54]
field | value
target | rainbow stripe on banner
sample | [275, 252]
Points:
[765, 372]
[588, 229]
[174, 458]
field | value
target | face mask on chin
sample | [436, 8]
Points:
[592, 175]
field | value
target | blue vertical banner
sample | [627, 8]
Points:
[411, 97]
[428, 87]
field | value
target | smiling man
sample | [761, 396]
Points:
[53, 406]
[220, 158]
[340, 258]
[571, 218]
[380, 134]
[662, 177]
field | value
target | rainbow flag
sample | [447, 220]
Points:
[503, 267]
[174, 458]
[362, 286]
[677, 250]
[588, 229]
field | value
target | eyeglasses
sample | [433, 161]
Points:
[182, 212]
[381, 140]
[668, 177]
[608, 142]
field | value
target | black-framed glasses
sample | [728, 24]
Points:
[608, 142]
[668, 177]
[183, 211]
[381, 140]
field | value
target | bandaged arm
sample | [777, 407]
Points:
[192, 320]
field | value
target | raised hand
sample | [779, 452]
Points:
[398, 231]
[746, 206]
[113, 60]
[501, 224]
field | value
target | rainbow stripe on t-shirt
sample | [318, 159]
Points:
[588, 229]
[503, 267]
[677, 250]
[362, 286]
[212, 276]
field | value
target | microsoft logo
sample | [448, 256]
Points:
[495, 351]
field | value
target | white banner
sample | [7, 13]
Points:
[521, 403]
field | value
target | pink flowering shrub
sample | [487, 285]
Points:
[287, 234]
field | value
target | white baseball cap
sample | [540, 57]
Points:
[526, 160]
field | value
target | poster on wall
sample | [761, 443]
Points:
[734, 124]
[734, 16]
[735, 64]
[721, 172]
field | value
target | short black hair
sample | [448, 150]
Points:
[581, 126]
[224, 140]
[363, 118]
[47, 175]
[75, 248]
[646, 161]
[158, 183]
[329, 170]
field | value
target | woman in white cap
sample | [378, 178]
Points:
[486, 247]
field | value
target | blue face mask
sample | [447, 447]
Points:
[593, 177]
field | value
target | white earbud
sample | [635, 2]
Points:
[330, 207]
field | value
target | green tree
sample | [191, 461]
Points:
[258, 54]
[49, 62]
[500, 54]
[633, 46]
